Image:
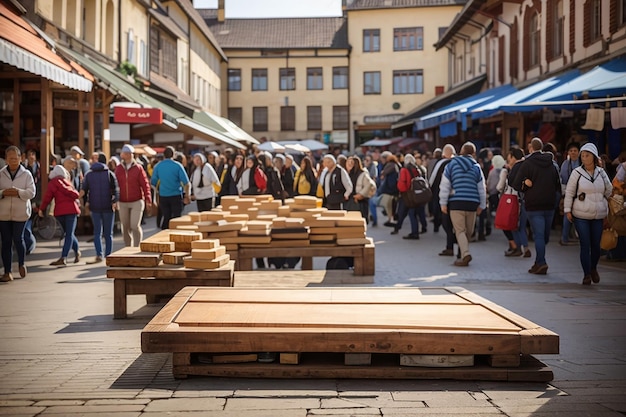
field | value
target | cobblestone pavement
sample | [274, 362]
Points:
[62, 354]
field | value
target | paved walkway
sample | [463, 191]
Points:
[61, 352]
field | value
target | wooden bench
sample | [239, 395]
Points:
[364, 256]
[136, 272]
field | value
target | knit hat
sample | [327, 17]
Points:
[409, 159]
[591, 148]
[331, 157]
[77, 150]
[128, 148]
[59, 171]
[280, 156]
[498, 161]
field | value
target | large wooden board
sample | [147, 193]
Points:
[347, 320]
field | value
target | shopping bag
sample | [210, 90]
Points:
[507, 213]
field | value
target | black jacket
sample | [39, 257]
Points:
[539, 168]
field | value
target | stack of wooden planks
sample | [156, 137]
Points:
[263, 222]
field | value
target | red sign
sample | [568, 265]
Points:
[132, 115]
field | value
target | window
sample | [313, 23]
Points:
[340, 78]
[235, 115]
[259, 119]
[596, 20]
[558, 29]
[130, 52]
[442, 31]
[259, 79]
[408, 39]
[314, 118]
[340, 118]
[287, 78]
[535, 40]
[163, 57]
[314, 78]
[621, 12]
[371, 40]
[142, 68]
[371, 82]
[287, 118]
[234, 80]
[408, 82]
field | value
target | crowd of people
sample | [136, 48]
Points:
[465, 188]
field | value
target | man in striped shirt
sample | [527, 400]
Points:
[462, 193]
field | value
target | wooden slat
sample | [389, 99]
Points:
[170, 271]
[448, 317]
[133, 256]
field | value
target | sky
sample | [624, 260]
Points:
[275, 8]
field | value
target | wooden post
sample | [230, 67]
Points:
[92, 122]
[47, 132]
[106, 139]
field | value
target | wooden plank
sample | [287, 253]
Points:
[298, 278]
[291, 358]
[174, 258]
[133, 256]
[170, 271]
[207, 263]
[329, 366]
[437, 361]
[208, 253]
[239, 358]
[160, 247]
[205, 244]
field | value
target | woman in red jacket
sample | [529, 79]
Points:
[407, 173]
[66, 210]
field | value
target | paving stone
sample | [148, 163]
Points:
[15, 403]
[50, 403]
[352, 412]
[111, 409]
[271, 403]
[383, 401]
[118, 401]
[202, 393]
[21, 411]
[186, 404]
[226, 413]
[441, 411]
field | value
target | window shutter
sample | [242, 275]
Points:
[550, 29]
[514, 50]
[572, 26]
[501, 60]
[613, 17]
[527, 40]
[587, 23]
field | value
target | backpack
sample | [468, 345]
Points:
[419, 192]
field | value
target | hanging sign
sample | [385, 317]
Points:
[134, 115]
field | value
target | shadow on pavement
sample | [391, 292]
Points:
[104, 322]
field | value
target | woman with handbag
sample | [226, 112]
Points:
[586, 207]
[518, 240]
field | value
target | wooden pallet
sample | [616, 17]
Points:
[396, 321]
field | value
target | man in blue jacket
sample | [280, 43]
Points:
[172, 183]
[101, 192]
[462, 193]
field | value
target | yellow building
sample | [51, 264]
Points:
[394, 66]
[286, 78]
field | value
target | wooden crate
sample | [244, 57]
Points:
[377, 321]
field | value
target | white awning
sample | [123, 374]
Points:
[27, 61]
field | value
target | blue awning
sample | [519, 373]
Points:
[457, 111]
[606, 82]
[526, 94]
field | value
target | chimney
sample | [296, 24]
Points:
[221, 14]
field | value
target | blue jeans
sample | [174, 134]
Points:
[519, 235]
[373, 212]
[68, 223]
[12, 233]
[589, 233]
[404, 211]
[103, 225]
[566, 229]
[541, 224]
